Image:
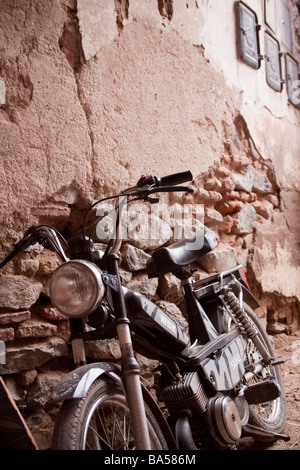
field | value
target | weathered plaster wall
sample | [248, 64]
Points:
[94, 114]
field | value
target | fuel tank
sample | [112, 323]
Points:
[156, 331]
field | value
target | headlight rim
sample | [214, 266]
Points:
[98, 283]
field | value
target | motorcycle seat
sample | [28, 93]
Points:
[182, 253]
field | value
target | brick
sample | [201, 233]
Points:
[226, 225]
[213, 184]
[32, 355]
[245, 220]
[35, 329]
[7, 334]
[26, 378]
[52, 212]
[17, 292]
[14, 317]
[50, 313]
[223, 257]
[229, 207]
[212, 216]
[264, 209]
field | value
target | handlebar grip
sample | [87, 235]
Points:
[177, 178]
[170, 180]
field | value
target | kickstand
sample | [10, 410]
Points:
[253, 431]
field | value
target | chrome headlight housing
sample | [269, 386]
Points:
[76, 288]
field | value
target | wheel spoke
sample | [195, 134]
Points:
[100, 421]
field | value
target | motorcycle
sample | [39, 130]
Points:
[217, 384]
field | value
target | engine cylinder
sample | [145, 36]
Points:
[186, 394]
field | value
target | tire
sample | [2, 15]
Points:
[101, 421]
[270, 416]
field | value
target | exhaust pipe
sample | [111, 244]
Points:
[183, 434]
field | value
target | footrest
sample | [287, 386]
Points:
[262, 392]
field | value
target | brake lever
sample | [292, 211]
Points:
[144, 192]
[170, 189]
[152, 200]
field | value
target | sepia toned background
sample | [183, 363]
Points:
[95, 93]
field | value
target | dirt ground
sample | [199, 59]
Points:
[286, 347]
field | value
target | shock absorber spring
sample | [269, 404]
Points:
[239, 313]
[245, 323]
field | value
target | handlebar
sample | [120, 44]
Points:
[146, 185]
[170, 180]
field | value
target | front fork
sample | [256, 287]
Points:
[130, 366]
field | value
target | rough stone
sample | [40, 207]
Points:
[212, 216]
[26, 378]
[35, 329]
[32, 355]
[229, 207]
[17, 292]
[222, 172]
[48, 262]
[244, 221]
[145, 287]
[133, 258]
[213, 184]
[175, 313]
[103, 349]
[264, 208]
[7, 334]
[250, 179]
[226, 225]
[69, 196]
[221, 258]
[244, 180]
[230, 239]
[169, 288]
[273, 199]
[276, 328]
[28, 267]
[227, 186]
[125, 276]
[149, 234]
[50, 313]
[262, 184]
[52, 212]
[15, 392]
[41, 389]
[7, 318]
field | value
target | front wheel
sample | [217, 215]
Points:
[101, 421]
[271, 416]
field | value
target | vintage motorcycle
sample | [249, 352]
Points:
[216, 385]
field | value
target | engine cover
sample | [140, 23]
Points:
[223, 420]
[225, 369]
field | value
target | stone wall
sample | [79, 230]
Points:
[94, 94]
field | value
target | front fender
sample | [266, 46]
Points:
[77, 383]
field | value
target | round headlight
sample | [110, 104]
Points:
[76, 288]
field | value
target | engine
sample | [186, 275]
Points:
[214, 419]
